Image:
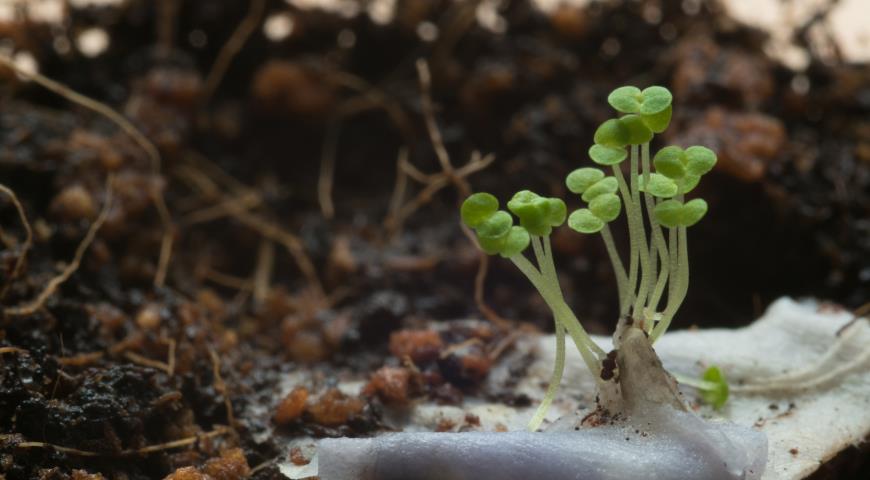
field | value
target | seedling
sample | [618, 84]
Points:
[658, 215]
[712, 386]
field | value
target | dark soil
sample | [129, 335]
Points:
[113, 364]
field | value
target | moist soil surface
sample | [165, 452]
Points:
[169, 348]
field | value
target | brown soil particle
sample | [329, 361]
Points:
[230, 465]
[291, 407]
[746, 143]
[391, 385]
[334, 408]
[421, 346]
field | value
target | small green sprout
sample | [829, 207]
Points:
[657, 214]
[712, 386]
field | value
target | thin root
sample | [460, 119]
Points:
[150, 150]
[184, 442]
[28, 239]
[52, 285]
[221, 386]
[232, 48]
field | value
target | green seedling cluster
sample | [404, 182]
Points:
[651, 191]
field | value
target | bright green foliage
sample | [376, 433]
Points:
[687, 183]
[496, 226]
[650, 101]
[658, 122]
[606, 207]
[699, 160]
[612, 133]
[673, 213]
[656, 99]
[671, 162]
[477, 208]
[581, 179]
[685, 167]
[538, 215]
[626, 99]
[607, 155]
[658, 186]
[584, 221]
[657, 215]
[638, 132]
[516, 242]
[715, 388]
[605, 185]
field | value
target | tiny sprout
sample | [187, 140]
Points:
[605, 185]
[607, 155]
[673, 213]
[584, 221]
[658, 186]
[606, 207]
[712, 386]
[638, 132]
[612, 133]
[715, 391]
[581, 179]
[537, 214]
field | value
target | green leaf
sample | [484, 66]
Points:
[605, 185]
[496, 226]
[625, 99]
[607, 155]
[700, 160]
[672, 213]
[606, 207]
[477, 208]
[658, 122]
[655, 99]
[492, 246]
[693, 211]
[584, 221]
[670, 162]
[638, 132]
[525, 203]
[687, 183]
[516, 241]
[537, 214]
[556, 211]
[669, 213]
[612, 133]
[582, 178]
[659, 186]
[715, 391]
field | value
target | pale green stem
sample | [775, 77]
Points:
[638, 237]
[658, 242]
[681, 288]
[553, 297]
[633, 254]
[694, 382]
[566, 315]
[555, 380]
[618, 267]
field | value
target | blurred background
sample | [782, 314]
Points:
[294, 200]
